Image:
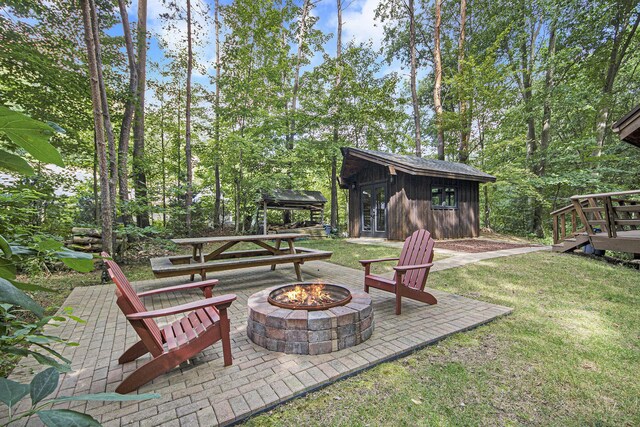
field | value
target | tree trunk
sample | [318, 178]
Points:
[164, 168]
[187, 139]
[111, 148]
[139, 174]
[334, 193]
[88, 9]
[545, 135]
[336, 124]
[216, 206]
[618, 52]
[437, 87]
[414, 84]
[463, 147]
[125, 129]
[296, 80]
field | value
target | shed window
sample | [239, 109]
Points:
[443, 197]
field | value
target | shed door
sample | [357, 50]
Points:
[374, 210]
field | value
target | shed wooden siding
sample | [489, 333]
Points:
[409, 205]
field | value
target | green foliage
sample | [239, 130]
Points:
[31, 135]
[42, 385]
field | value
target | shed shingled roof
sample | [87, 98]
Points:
[414, 165]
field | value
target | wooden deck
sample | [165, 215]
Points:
[608, 221]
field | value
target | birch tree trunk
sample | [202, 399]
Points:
[139, 174]
[414, 84]
[98, 121]
[127, 118]
[187, 145]
[437, 87]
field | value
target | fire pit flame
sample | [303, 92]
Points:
[314, 295]
[309, 296]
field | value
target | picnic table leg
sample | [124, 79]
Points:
[273, 266]
[296, 265]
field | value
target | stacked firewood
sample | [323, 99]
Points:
[86, 239]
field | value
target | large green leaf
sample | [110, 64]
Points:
[41, 358]
[12, 295]
[43, 384]
[111, 397]
[7, 268]
[31, 287]
[14, 163]
[68, 253]
[29, 134]
[48, 245]
[4, 246]
[81, 265]
[66, 418]
[12, 392]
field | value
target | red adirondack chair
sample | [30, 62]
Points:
[411, 272]
[205, 324]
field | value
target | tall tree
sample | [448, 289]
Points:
[625, 25]
[139, 173]
[437, 86]
[463, 146]
[93, 45]
[127, 118]
[216, 134]
[187, 139]
[413, 74]
[336, 124]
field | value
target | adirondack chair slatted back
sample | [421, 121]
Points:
[417, 249]
[130, 303]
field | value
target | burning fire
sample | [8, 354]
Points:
[312, 295]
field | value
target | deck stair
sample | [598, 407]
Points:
[608, 221]
[569, 244]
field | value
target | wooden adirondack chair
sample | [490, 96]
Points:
[205, 324]
[411, 272]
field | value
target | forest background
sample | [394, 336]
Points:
[171, 116]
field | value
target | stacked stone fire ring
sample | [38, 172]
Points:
[313, 331]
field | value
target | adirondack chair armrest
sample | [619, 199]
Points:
[195, 285]
[364, 262]
[221, 303]
[405, 268]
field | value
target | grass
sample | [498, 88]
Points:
[569, 354]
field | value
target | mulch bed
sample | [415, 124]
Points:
[476, 245]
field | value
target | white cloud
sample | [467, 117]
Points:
[359, 22]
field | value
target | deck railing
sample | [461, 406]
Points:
[563, 216]
[608, 212]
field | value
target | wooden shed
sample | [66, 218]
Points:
[392, 195]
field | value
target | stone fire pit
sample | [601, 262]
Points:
[309, 332]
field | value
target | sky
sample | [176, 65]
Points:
[358, 18]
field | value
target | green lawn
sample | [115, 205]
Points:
[568, 355]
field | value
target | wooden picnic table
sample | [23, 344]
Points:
[222, 258]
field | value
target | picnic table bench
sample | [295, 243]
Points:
[221, 258]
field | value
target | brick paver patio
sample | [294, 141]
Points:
[206, 393]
